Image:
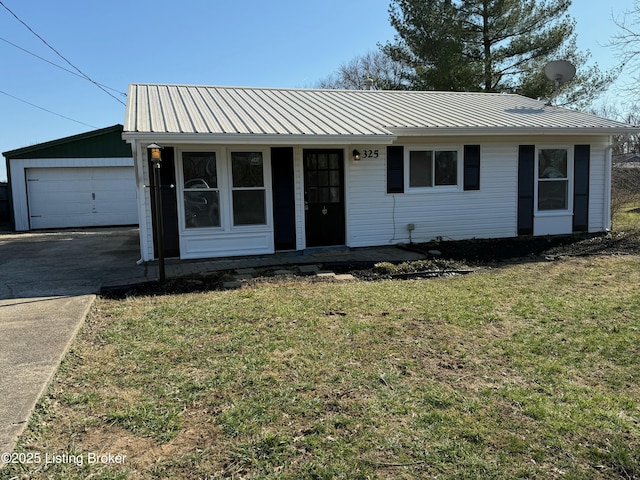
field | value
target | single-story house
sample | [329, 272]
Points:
[259, 170]
[85, 180]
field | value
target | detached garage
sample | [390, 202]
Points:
[86, 180]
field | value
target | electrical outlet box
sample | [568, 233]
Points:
[411, 227]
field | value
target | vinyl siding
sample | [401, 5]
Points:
[378, 218]
[374, 217]
[598, 188]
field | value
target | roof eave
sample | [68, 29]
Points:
[256, 139]
[61, 141]
[510, 131]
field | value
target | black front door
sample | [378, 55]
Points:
[324, 197]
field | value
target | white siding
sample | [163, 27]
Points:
[144, 197]
[598, 187]
[378, 218]
[374, 217]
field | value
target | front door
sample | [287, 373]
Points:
[324, 197]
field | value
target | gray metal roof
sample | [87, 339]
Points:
[193, 111]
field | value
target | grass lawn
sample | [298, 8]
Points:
[627, 218]
[524, 371]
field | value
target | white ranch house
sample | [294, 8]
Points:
[257, 170]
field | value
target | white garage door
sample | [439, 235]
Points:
[81, 197]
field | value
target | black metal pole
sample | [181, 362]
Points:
[159, 227]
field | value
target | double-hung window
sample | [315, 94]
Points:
[201, 192]
[553, 179]
[248, 190]
[433, 168]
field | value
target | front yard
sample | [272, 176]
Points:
[529, 370]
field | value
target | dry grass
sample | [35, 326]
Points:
[527, 371]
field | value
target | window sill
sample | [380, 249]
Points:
[553, 213]
[433, 190]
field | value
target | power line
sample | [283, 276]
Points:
[47, 110]
[60, 55]
[59, 66]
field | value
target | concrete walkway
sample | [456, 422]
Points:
[48, 281]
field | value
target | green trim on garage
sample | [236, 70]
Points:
[103, 143]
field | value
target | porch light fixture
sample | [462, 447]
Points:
[155, 153]
[356, 155]
[156, 159]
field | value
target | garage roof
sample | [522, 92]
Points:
[103, 143]
[192, 111]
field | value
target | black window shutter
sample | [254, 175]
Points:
[526, 179]
[581, 158]
[472, 167]
[395, 169]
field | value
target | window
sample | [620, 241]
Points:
[553, 179]
[248, 191]
[433, 168]
[201, 193]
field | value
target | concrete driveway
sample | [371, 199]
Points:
[48, 281]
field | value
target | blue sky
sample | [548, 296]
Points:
[277, 43]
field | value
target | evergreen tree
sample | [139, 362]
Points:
[490, 46]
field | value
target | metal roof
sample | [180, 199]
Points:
[228, 112]
[103, 143]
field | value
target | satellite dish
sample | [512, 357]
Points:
[560, 71]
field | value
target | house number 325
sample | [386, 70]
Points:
[370, 154]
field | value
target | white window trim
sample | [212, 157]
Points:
[220, 171]
[225, 189]
[435, 189]
[266, 180]
[569, 209]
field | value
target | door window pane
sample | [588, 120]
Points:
[323, 178]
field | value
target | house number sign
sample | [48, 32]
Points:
[370, 153]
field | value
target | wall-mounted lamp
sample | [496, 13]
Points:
[356, 155]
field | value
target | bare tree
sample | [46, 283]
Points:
[622, 144]
[627, 42]
[371, 70]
